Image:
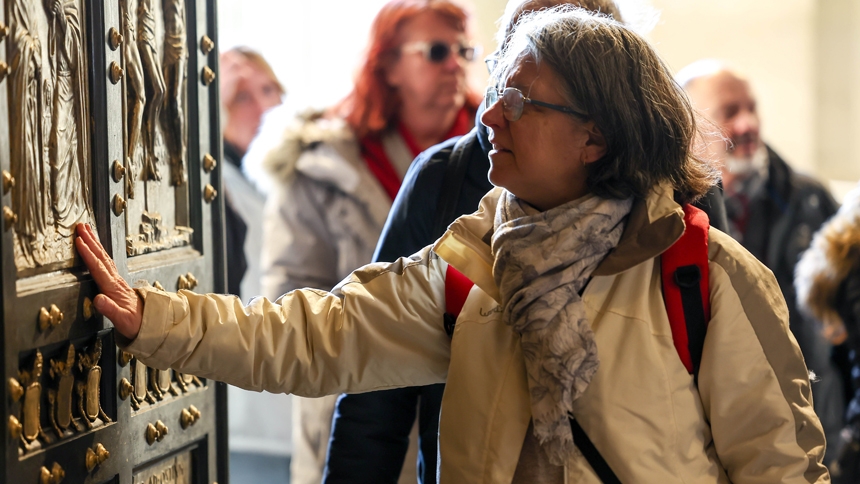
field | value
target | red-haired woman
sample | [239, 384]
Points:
[337, 173]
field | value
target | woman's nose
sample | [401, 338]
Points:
[493, 115]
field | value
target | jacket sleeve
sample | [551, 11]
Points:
[297, 248]
[753, 382]
[380, 328]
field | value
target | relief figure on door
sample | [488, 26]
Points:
[49, 127]
[135, 96]
[146, 44]
[175, 73]
[30, 196]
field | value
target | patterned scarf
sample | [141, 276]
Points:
[542, 261]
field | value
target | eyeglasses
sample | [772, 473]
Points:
[438, 52]
[491, 61]
[513, 101]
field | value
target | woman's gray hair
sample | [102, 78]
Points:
[616, 78]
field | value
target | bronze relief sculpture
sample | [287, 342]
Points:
[155, 123]
[50, 140]
[89, 389]
[60, 397]
[135, 96]
[146, 44]
[175, 72]
[69, 156]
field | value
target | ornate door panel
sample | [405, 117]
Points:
[109, 117]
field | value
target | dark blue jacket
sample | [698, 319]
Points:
[370, 433]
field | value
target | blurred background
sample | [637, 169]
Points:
[802, 57]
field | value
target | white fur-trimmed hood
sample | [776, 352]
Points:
[322, 148]
[832, 256]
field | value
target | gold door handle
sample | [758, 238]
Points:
[8, 181]
[16, 391]
[124, 357]
[54, 476]
[206, 44]
[189, 416]
[151, 434]
[115, 72]
[15, 428]
[187, 281]
[114, 38]
[119, 205]
[125, 388]
[118, 171]
[162, 430]
[207, 75]
[96, 457]
[50, 318]
[209, 193]
[4, 31]
[5, 70]
[209, 163]
[10, 217]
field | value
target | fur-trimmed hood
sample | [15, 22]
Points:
[832, 256]
[275, 154]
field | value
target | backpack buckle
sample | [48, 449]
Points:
[688, 276]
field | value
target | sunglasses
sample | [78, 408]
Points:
[513, 101]
[438, 52]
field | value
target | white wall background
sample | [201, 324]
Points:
[803, 57]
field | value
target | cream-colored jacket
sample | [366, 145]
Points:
[751, 420]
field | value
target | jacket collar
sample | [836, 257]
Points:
[654, 224]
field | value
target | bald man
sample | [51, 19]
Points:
[773, 211]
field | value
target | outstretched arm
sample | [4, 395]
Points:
[117, 301]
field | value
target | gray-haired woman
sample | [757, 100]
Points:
[592, 155]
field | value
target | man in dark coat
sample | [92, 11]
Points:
[773, 212]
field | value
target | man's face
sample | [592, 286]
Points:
[728, 101]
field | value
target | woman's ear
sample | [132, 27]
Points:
[595, 144]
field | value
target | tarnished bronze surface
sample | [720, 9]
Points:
[173, 470]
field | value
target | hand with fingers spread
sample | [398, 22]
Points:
[117, 301]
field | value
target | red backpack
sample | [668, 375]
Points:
[684, 268]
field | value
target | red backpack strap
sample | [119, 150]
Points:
[686, 291]
[457, 287]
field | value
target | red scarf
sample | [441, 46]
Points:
[380, 165]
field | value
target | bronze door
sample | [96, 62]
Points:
[109, 114]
